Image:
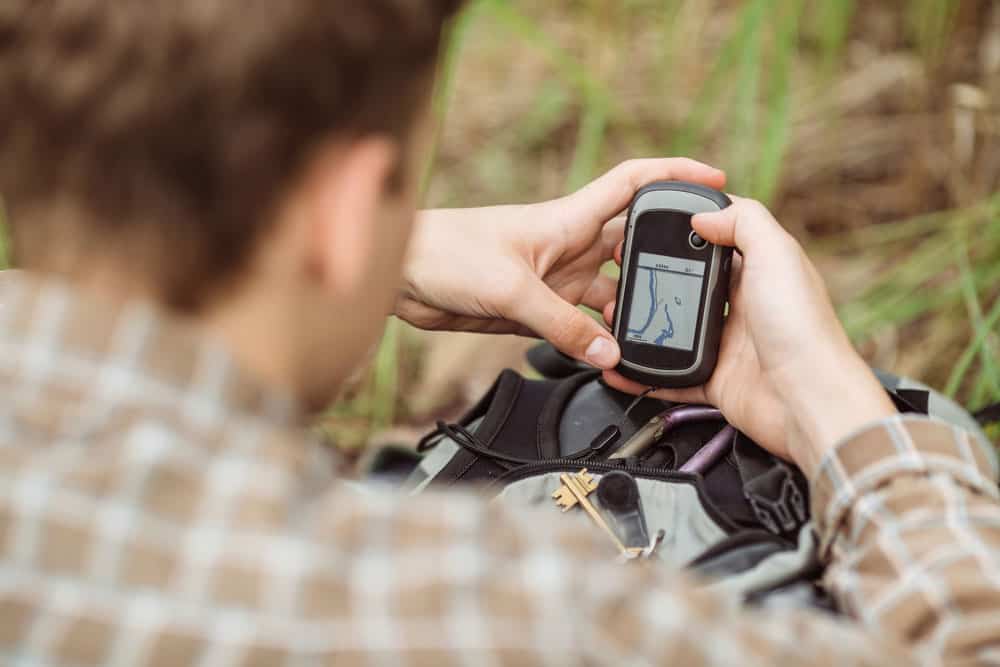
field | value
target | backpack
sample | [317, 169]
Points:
[674, 483]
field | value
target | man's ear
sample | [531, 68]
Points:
[345, 186]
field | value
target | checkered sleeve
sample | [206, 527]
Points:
[908, 516]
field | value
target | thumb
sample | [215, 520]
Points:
[745, 224]
[569, 329]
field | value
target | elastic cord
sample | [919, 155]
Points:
[467, 440]
[634, 403]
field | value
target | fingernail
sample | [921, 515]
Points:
[601, 353]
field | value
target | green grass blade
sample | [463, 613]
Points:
[444, 81]
[551, 108]
[385, 378]
[589, 139]
[691, 134]
[833, 19]
[744, 111]
[566, 65]
[969, 353]
[777, 132]
[988, 367]
[672, 43]
[931, 22]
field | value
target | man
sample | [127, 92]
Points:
[212, 202]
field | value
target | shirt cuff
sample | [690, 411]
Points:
[889, 448]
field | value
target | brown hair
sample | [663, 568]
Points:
[165, 131]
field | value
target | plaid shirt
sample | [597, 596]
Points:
[159, 508]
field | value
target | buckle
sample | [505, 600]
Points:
[783, 515]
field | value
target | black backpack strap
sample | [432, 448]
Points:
[493, 409]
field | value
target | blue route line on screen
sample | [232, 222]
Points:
[652, 304]
[669, 331]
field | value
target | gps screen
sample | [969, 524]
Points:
[665, 301]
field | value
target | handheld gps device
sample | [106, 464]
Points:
[673, 287]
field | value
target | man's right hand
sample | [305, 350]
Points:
[786, 367]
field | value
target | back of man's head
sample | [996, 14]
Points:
[160, 135]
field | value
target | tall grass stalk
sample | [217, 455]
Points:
[444, 81]
[745, 111]
[385, 376]
[567, 66]
[833, 18]
[707, 101]
[989, 380]
[961, 369]
[776, 133]
[931, 22]
[383, 386]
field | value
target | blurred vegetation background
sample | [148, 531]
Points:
[872, 130]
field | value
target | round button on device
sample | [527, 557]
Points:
[696, 241]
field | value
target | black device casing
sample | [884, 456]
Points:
[688, 199]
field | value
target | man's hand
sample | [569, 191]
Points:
[524, 269]
[785, 364]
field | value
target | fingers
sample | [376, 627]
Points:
[600, 293]
[735, 276]
[609, 194]
[684, 395]
[612, 235]
[609, 313]
[744, 225]
[568, 328]
[618, 252]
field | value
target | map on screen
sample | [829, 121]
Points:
[665, 301]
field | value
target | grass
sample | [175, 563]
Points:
[939, 274]
[933, 268]
[931, 23]
[541, 97]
